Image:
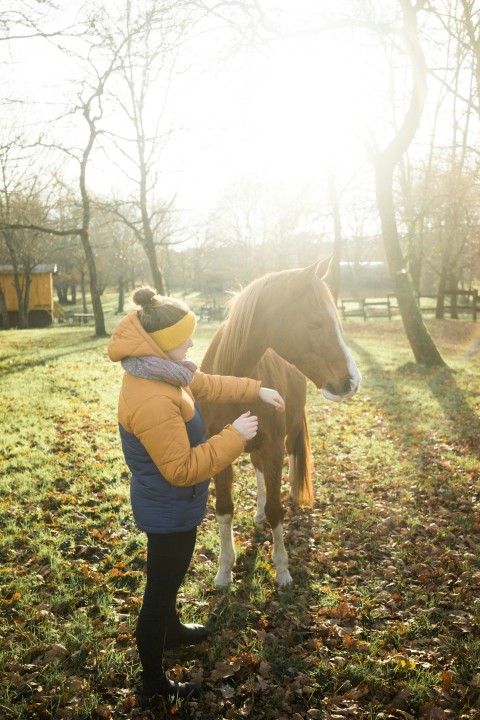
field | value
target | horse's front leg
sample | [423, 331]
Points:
[274, 512]
[224, 510]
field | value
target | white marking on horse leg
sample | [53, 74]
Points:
[292, 478]
[226, 559]
[280, 557]
[261, 498]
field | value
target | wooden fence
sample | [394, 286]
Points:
[457, 303]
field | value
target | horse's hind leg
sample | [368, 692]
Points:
[299, 475]
[292, 478]
[290, 443]
[261, 491]
[224, 510]
[274, 512]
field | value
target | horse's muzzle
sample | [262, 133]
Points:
[348, 388]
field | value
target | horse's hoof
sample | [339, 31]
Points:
[260, 519]
[223, 579]
[283, 578]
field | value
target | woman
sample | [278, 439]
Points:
[171, 461]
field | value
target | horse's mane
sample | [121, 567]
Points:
[236, 329]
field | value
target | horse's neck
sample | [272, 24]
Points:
[248, 358]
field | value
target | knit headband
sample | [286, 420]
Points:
[171, 337]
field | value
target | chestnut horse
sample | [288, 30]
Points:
[280, 328]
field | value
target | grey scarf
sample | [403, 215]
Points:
[152, 367]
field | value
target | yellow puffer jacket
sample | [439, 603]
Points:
[156, 412]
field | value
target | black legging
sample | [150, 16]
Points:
[168, 558]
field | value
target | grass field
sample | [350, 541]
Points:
[382, 620]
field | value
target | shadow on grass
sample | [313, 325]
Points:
[440, 485]
[464, 421]
[9, 363]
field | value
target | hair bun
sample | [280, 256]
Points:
[143, 296]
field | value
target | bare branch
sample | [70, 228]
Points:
[40, 228]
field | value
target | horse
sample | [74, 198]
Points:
[282, 328]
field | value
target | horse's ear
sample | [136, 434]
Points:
[317, 269]
[322, 267]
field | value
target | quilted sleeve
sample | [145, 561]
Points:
[161, 429]
[224, 388]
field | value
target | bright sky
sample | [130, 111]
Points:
[287, 113]
[287, 109]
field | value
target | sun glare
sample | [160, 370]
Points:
[310, 104]
[290, 110]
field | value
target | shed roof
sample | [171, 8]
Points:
[39, 268]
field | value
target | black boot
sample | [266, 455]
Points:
[167, 689]
[185, 634]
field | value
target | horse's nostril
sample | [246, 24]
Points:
[346, 386]
[342, 389]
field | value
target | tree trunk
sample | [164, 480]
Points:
[334, 280]
[442, 287]
[422, 344]
[19, 286]
[97, 308]
[415, 266]
[4, 311]
[83, 291]
[62, 295]
[26, 296]
[100, 330]
[22, 290]
[423, 347]
[84, 233]
[148, 239]
[454, 286]
[150, 251]
[121, 295]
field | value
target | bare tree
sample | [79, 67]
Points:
[90, 107]
[385, 162]
[20, 197]
[150, 35]
[155, 39]
[461, 22]
[24, 21]
[472, 28]
[440, 208]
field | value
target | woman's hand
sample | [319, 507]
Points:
[272, 397]
[247, 425]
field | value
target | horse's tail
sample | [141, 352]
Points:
[301, 454]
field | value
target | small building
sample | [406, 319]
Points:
[41, 305]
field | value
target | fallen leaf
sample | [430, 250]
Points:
[55, 652]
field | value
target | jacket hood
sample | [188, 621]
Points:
[129, 339]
